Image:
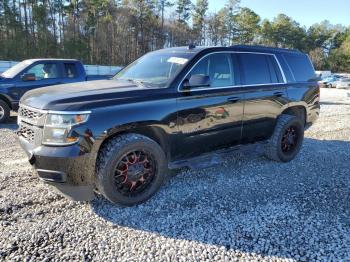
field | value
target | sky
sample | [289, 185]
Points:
[305, 12]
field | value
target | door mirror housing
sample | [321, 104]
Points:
[196, 81]
[28, 77]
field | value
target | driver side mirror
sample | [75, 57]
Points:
[196, 81]
[28, 77]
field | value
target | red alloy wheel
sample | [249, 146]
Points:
[289, 140]
[134, 173]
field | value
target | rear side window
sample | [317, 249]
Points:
[300, 66]
[70, 70]
[258, 69]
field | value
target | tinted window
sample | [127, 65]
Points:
[44, 71]
[218, 67]
[70, 70]
[256, 69]
[300, 66]
[275, 72]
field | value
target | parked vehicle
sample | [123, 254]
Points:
[169, 109]
[343, 83]
[330, 82]
[323, 74]
[35, 73]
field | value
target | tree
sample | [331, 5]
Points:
[247, 26]
[318, 58]
[283, 31]
[116, 32]
[230, 11]
[339, 59]
[161, 6]
[217, 28]
[183, 10]
[199, 19]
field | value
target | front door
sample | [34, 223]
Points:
[46, 74]
[210, 117]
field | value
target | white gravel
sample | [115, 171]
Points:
[247, 209]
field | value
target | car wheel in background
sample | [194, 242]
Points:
[4, 111]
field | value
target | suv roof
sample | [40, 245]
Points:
[257, 48]
[250, 48]
[51, 59]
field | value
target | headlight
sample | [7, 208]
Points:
[58, 126]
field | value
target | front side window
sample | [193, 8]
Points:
[44, 71]
[218, 67]
[156, 69]
[256, 69]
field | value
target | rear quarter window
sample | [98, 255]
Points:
[300, 66]
[259, 69]
[70, 70]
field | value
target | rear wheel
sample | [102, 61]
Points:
[4, 111]
[286, 140]
[130, 169]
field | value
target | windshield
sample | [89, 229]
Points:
[155, 69]
[13, 71]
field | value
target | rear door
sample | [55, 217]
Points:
[210, 117]
[265, 94]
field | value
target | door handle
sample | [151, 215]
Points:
[279, 94]
[233, 99]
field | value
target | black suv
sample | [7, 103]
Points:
[169, 109]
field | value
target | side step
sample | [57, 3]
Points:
[214, 158]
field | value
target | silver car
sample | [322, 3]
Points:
[343, 83]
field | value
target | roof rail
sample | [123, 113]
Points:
[261, 47]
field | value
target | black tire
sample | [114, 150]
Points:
[4, 112]
[279, 147]
[113, 155]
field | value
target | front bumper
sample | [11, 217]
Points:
[69, 169]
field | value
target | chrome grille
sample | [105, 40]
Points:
[27, 132]
[31, 122]
[31, 115]
[25, 112]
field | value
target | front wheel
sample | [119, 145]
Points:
[4, 112]
[130, 169]
[286, 140]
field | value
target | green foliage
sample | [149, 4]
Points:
[183, 10]
[318, 57]
[339, 59]
[247, 26]
[118, 31]
[198, 17]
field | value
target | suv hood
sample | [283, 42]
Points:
[81, 95]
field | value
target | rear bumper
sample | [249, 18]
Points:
[68, 169]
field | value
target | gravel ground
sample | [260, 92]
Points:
[248, 208]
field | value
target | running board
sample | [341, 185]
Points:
[212, 159]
